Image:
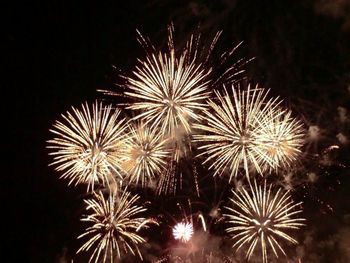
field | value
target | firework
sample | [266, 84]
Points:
[87, 145]
[183, 231]
[232, 137]
[264, 217]
[116, 223]
[145, 153]
[170, 89]
[282, 138]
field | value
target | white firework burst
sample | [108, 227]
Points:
[183, 231]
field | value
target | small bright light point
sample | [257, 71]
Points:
[183, 231]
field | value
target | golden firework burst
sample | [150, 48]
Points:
[87, 145]
[231, 137]
[261, 216]
[170, 91]
[282, 137]
[145, 154]
[116, 221]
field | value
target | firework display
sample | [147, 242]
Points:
[187, 124]
[261, 216]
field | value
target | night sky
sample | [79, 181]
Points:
[57, 54]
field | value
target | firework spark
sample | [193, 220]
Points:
[232, 133]
[87, 145]
[183, 231]
[145, 153]
[116, 223]
[261, 216]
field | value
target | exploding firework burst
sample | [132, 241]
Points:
[183, 231]
[232, 137]
[87, 145]
[282, 138]
[116, 223]
[145, 154]
[171, 90]
[261, 216]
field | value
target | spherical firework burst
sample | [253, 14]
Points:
[116, 221]
[145, 153]
[264, 217]
[232, 132]
[282, 138]
[170, 90]
[87, 145]
[183, 231]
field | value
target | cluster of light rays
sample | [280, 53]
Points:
[116, 221]
[282, 138]
[247, 131]
[231, 131]
[170, 90]
[259, 215]
[145, 154]
[88, 143]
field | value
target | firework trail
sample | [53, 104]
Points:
[169, 181]
[261, 216]
[232, 137]
[145, 154]
[116, 221]
[88, 144]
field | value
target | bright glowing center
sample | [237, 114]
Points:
[262, 224]
[144, 152]
[170, 103]
[244, 139]
[183, 231]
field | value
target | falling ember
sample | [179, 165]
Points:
[259, 216]
[183, 231]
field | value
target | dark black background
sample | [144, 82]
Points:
[56, 54]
